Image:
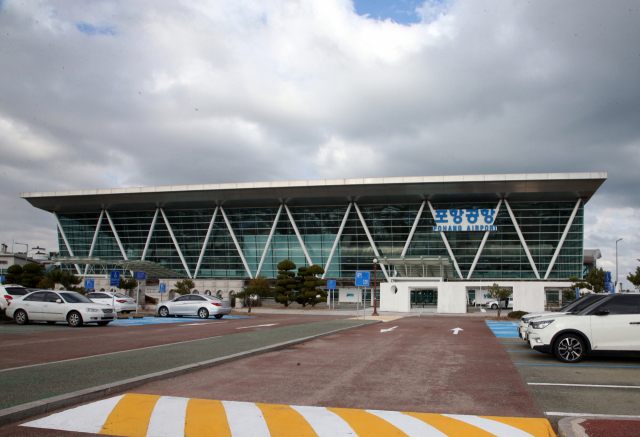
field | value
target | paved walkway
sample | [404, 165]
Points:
[162, 416]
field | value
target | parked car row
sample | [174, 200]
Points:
[596, 324]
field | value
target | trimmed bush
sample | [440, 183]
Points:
[516, 314]
[150, 300]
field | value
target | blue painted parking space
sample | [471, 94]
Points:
[163, 320]
[504, 329]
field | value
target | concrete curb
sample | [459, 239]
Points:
[570, 426]
[24, 411]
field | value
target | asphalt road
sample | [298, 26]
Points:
[420, 366]
[38, 343]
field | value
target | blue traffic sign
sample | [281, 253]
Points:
[607, 276]
[89, 284]
[362, 279]
[2, 278]
[331, 284]
[577, 292]
[609, 287]
[163, 288]
[115, 278]
[141, 276]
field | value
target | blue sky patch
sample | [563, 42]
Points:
[90, 29]
[400, 11]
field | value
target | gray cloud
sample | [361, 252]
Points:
[109, 93]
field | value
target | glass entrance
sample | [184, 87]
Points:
[424, 297]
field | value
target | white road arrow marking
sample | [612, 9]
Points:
[257, 326]
[387, 330]
[456, 330]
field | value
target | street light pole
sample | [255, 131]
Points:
[375, 271]
[617, 260]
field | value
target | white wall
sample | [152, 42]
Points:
[528, 296]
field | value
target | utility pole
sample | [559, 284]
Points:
[620, 239]
[375, 271]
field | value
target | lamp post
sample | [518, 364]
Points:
[375, 271]
[620, 239]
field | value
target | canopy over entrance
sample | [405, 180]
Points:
[151, 268]
[422, 267]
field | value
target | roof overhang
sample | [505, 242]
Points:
[471, 188]
[151, 268]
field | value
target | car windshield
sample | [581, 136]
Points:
[582, 303]
[593, 305]
[15, 291]
[74, 298]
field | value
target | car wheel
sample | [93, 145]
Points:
[218, 316]
[51, 323]
[103, 323]
[494, 307]
[203, 313]
[163, 311]
[74, 319]
[569, 348]
[21, 317]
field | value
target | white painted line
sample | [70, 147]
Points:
[407, 424]
[584, 385]
[88, 418]
[203, 323]
[108, 353]
[387, 330]
[324, 422]
[591, 415]
[245, 419]
[496, 428]
[257, 326]
[168, 417]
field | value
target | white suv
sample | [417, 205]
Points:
[608, 327]
[9, 292]
[574, 307]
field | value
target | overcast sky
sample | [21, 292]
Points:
[99, 94]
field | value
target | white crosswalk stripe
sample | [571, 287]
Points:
[409, 425]
[496, 428]
[324, 422]
[245, 419]
[168, 417]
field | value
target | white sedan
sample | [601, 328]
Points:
[124, 304]
[195, 305]
[52, 307]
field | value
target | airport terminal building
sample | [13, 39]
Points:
[437, 238]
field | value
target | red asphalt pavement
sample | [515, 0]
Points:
[611, 428]
[421, 366]
[62, 344]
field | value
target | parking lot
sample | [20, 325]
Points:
[425, 365]
[594, 386]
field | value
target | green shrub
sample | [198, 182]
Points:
[516, 314]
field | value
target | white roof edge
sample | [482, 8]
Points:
[329, 182]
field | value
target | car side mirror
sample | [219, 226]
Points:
[58, 300]
[602, 312]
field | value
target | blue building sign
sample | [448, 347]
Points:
[115, 278]
[465, 220]
[331, 284]
[163, 288]
[89, 284]
[140, 276]
[362, 279]
[609, 286]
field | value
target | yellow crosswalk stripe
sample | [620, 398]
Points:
[366, 424]
[451, 427]
[535, 427]
[284, 421]
[130, 417]
[206, 418]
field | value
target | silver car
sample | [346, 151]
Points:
[194, 305]
[52, 307]
[124, 304]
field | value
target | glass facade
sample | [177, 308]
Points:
[503, 257]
